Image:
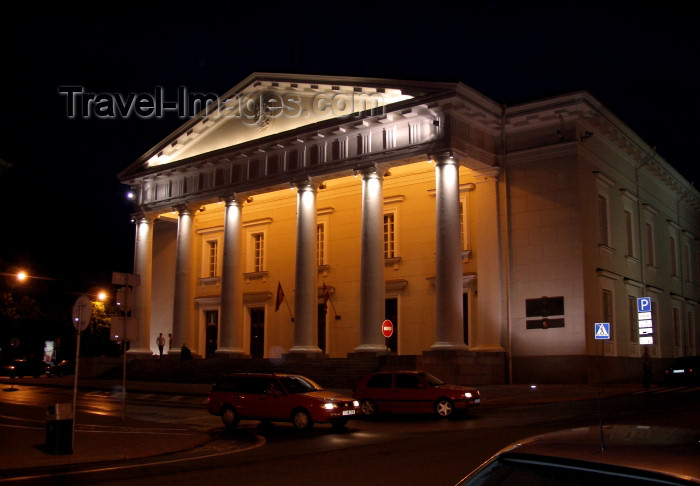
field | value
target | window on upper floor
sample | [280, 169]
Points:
[603, 233]
[321, 244]
[257, 257]
[389, 235]
[212, 257]
[608, 310]
[651, 252]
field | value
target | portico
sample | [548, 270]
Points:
[196, 170]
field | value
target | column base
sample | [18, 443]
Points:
[139, 353]
[371, 349]
[444, 346]
[311, 351]
[230, 353]
[490, 348]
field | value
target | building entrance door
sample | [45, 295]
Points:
[391, 312]
[322, 312]
[465, 318]
[257, 332]
[212, 320]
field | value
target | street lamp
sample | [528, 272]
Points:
[21, 276]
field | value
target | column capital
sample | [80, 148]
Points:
[370, 172]
[233, 199]
[443, 158]
[143, 217]
[186, 208]
[307, 184]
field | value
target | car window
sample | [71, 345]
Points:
[298, 384]
[405, 380]
[379, 381]
[432, 380]
[226, 384]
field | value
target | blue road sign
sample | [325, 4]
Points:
[602, 330]
[644, 304]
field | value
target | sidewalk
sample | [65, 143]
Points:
[102, 438]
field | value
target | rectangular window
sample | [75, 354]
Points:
[258, 251]
[544, 313]
[650, 244]
[607, 297]
[603, 221]
[629, 231]
[321, 243]
[632, 317]
[672, 256]
[389, 236]
[213, 247]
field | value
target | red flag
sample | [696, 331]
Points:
[280, 296]
[326, 296]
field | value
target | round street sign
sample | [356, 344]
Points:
[82, 312]
[387, 328]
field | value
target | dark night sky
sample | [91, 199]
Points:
[65, 214]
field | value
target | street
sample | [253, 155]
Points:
[389, 449]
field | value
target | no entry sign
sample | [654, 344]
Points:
[387, 328]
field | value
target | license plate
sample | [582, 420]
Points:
[348, 412]
[477, 400]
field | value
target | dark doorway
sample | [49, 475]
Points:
[212, 320]
[322, 311]
[257, 332]
[391, 312]
[465, 317]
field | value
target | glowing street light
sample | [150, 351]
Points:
[102, 295]
[21, 276]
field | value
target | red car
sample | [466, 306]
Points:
[276, 397]
[412, 392]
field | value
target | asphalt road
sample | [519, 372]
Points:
[388, 450]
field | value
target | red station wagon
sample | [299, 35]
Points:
[275, 397]
[412, 392]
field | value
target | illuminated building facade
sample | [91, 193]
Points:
[296, 213]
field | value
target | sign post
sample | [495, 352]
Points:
[646, 322]
[387, 331]
[82, 313]
[124, 327]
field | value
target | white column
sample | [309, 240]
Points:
[231, 324]
[305, 291]
[182, 302]
[143, 265]
[488, 332]
[449, 331]
[372, 265]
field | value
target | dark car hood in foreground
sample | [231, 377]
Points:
[665, 450]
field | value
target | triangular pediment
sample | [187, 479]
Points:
[265, 105]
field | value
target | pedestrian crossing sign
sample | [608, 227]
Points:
[602, 330]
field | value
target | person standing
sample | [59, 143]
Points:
[161, 344]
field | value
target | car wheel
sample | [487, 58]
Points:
[444, 407]
[301, 419]
[368, 407]
[229, 417]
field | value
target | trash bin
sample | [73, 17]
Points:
[59, 429]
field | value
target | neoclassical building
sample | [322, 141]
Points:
[294, 214]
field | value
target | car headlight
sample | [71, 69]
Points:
[355, 403]
[329, 406]
[468, 394]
